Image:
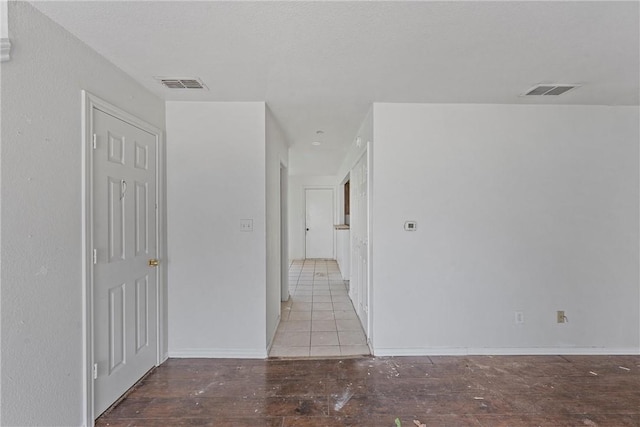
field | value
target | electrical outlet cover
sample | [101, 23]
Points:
[410, 226]
[519, 317]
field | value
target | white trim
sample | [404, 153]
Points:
[89, 102]
[284, 232]
[220, 353]
[5, 50]
[369, 153]
[87, 296]
[5, 42]
[504, 351]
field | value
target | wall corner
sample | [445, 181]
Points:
[5, 42]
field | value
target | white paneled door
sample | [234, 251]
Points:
[319, 223]
[359, 197]
[125, 279]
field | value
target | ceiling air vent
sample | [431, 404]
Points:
[175, 83]
[549, 89]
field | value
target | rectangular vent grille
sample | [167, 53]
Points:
[175, 83]
[549, 89]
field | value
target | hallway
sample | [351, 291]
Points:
[319, 319]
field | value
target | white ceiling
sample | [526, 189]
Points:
[320, 65]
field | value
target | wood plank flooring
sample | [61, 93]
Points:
[439, 391]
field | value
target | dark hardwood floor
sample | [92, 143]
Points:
[439, 391]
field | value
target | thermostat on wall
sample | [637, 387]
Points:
[410, 226]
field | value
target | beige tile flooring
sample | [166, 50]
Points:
[319, 319]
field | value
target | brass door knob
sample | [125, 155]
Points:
[153, 262]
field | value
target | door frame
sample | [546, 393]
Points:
[333, 214]
[89, 102]
[284, 233]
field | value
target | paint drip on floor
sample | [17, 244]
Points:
[346, 396]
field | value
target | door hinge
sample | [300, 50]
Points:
[95, 256]
[95, 371]
[95, 141]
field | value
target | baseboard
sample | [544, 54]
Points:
[503, 351]
[219, 353]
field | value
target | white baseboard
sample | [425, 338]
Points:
[219, 353]
[241, 353]
[503, 351]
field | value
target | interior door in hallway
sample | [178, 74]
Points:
[125, 286]
[359, 285]
[319, 223]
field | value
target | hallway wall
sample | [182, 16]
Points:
[277, 153]
[365, 133]
[518, 208]
[41, 229]
[215, 178]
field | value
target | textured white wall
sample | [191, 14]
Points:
[41, 212]
[519, 208]
[217, 273]
[365, 133]
[276, 154]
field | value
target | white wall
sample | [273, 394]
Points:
[365, 133]
[323, 160]
[41, 279]
[519, 208]
[216, 177]
[297, 186]
[276, 155]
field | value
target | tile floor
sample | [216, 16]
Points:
[319, 319]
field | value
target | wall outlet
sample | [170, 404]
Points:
[519, 317]
[561, 318]
[410, 226]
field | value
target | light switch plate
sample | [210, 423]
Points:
[246, 225]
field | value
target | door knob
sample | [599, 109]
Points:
[153, 262]
[307, 229]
